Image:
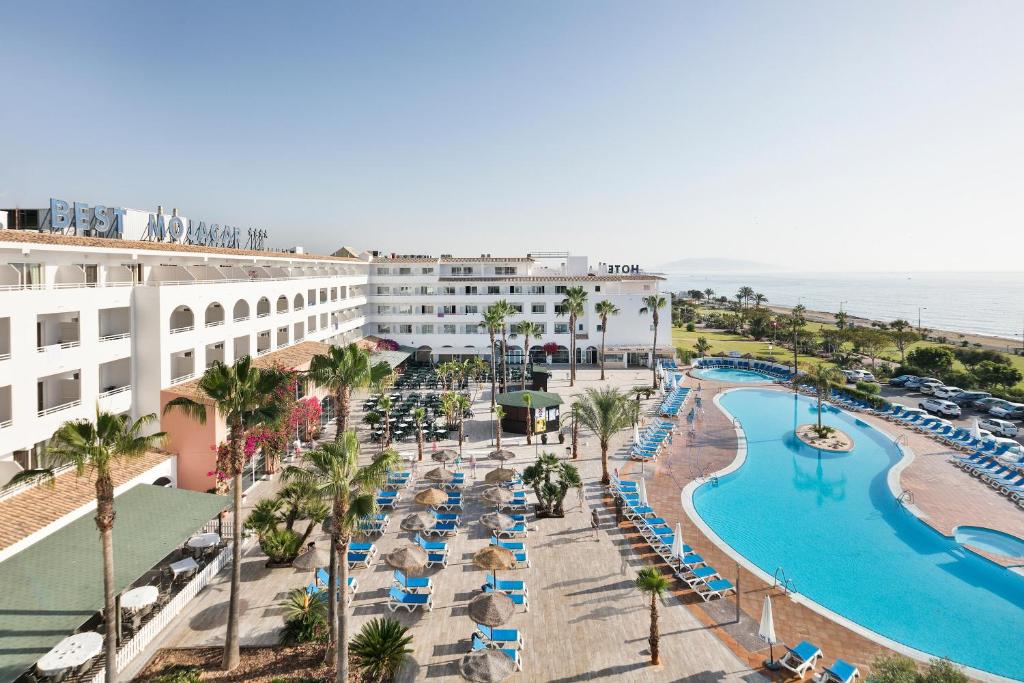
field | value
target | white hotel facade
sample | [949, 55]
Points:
[90, 320]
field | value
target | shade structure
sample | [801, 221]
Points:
[439, 474]
[493, 558]
[636, 433]
[491, 609]
[496, 495]
[486, 666]
[496, 521]
[408, 558]
[677, 541]
[500, 475]
[444, 455]
[314, 558]
[766, 630]
[975, 429]
[431, 497]
[642, 490]
[502, 456]
[417, 521]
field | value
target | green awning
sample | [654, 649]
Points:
[392, 358]
[539, 399]
[55, 585]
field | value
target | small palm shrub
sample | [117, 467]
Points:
[179, 673]
[380, 648]
[281, 545]
[305, 617]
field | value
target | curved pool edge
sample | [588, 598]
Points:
[893, 481]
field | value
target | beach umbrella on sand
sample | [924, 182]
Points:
[491, 609]
[444, 455]
[496, 495]
[677, 541]
[496, 521]
[493, 558]
[642, 490]
[487, 666]
[500, 475]
[417, 521]
[431, 497]
[313, 559]
[502, 456]
[439, 474]
[407, 559]
[766, 632]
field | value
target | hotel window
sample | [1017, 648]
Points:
[334, 293]
[448, 310]
[382, 310]
[472, 310]
[538, 308]
[405, 309]
[136, 271]
[517, 308]
[91, 271]
[504, 270]
[405, 329]
[560, 289]
[427, 310]
[403, 291]
[384, 291]
[450, 291]
[323, 320]
[597, 288]
[448, 329]
[493, 289]
[383, 271]
[515, 289]
[559, 309]
[542, 327]
[425, 291]
[29, 274]
[561, 328]
[536, 289]
[472, 329]
[462, 270]
[405, 271]
[428, 271]
[426, 329]
[383, 329]
[470, 289]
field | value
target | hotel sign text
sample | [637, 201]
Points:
[624, 269]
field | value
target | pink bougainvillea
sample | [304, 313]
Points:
[387, 345]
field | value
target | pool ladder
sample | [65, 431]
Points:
[786, 583]
[906, 496]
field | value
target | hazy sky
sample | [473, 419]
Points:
[820, 135]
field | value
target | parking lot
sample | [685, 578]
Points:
[911, 398]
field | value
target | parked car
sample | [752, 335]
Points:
[901, 380]
[866, 376]
[946, 392]
[939, 406]
[997, 426]
[851, 376]
[967, 398]
[930, 387]
[983, 404]
[918, 381]
[1007, 410]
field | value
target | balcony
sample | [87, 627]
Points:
[115, 337]
[59, 408]
[56, 331]
[117, 400]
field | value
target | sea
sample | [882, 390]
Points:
[989, 304]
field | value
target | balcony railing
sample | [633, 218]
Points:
[179, 330]
[6, 423]
[114, 337]
[5, 356]
[59, 345]
[114, 392]
[241, 318]
[214, 323]
[262, 352]
[182, 378]
[263, 315]
[57, 409]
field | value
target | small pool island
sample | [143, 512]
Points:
[835, 442]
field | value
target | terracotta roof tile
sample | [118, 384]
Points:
[32, 509]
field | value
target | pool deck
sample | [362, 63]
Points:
[945, 497]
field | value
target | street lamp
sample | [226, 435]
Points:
[919, 309]
[841, 305]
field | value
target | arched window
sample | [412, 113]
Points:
[182, 319]
[214, 314]
[241, 309]
[282, 304]
[561, 355]
[298, 303]
[263, 307]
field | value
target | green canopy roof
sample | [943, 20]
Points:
[55, 585]
[539, 399]
[392, 358]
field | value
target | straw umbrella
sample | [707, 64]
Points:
[431, 497]
[496, 495]
[766, 632]
[496, 521]
[492, 558]
[502, 456]
[445, 455]
[313, 559]
[500, 475]
[487, 666]
[407, 559]
[491, 609]
[417, 521]
[439, 474]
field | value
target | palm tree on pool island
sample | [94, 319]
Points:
[821, 377]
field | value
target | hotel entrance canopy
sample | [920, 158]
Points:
[55, 585]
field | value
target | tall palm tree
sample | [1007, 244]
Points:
[507, 311]
[745, 295]
[708, 293]
[419, 414]
[499, 415]
[574, 305]
[796, 321]
[492, 321]
[702, 346]
[334, 469]
[652, 582]
[244, 396]
[606, 411]
[463, 405]
[528, 401]
[527, 329]
[821, 377]
[94, 447]
[604, 309]
[759, 299]
[652, 304]
[343, 369]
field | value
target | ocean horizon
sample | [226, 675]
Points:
[984, 303]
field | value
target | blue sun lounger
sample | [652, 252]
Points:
[501, 637]
[479, 644]
[412, 584]
[520, 599]
[839, 672]
[398, 598]
[802, 658]
[716, 588]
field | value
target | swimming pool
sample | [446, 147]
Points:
[731, 375]
[990, 540]
[830, 520]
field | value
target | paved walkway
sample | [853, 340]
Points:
[586, 620]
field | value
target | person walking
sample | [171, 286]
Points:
[472, 464]
[595, 524]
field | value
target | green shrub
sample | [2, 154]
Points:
[900, 669]
[305, 617]
[281, 545]
[179, 673]
[685, 356]
[690, 327]
[868, 387]
[380, 648]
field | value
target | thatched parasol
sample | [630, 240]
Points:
[407, 559]
[444, 455]
[491, 609]
[496, 495]
[314, 558]
[487, 666]
[431, 497]
[496, 521]
[500, 475]
[439, 474]
[502, 456]
[417, 521]
[493, 558]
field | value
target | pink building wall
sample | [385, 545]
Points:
[193, 442]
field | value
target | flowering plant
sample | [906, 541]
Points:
[551, 348]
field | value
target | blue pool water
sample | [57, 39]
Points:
[832, 523]
[991, 540]
[731, 375]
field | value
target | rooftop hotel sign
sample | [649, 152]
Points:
[78, 218]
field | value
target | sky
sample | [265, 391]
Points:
[812, 136]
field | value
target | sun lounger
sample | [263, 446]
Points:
[698, 576]
[432, 546]
[839, 672]
[716, 588]
[521, 599]
[802, 658]
[501, 637]
[447, 516]
[412, 584]
[442, 529]
[398, 598]
[479, 644]
[504, 585]
[517, 531]
[359, 560]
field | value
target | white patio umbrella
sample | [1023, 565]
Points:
[636, 433]
[677, 541]
[766, 632]
[975, 429]
[642, 490]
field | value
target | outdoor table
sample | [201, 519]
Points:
[73, 651]
[185, 566]
[203, 541]
[138, 598]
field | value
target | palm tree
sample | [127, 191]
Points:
[462, 404]
[95, 447]
[499, 414]
[652, 582]
[575, 430]
[244, 396]
[493, 320]
[759, 299]
[821, 377]
[507, 311]
[651, 305]
[528, 401]
[384, 406]
[708, 293]
[841, 318]
[334, 469]
[381, 647]
[574, 305]
[606, 411]
[745, 294]
[527, 329]
[796, 322]
[343, 369]
[418, 416]
[604, 309]
[702, 346]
